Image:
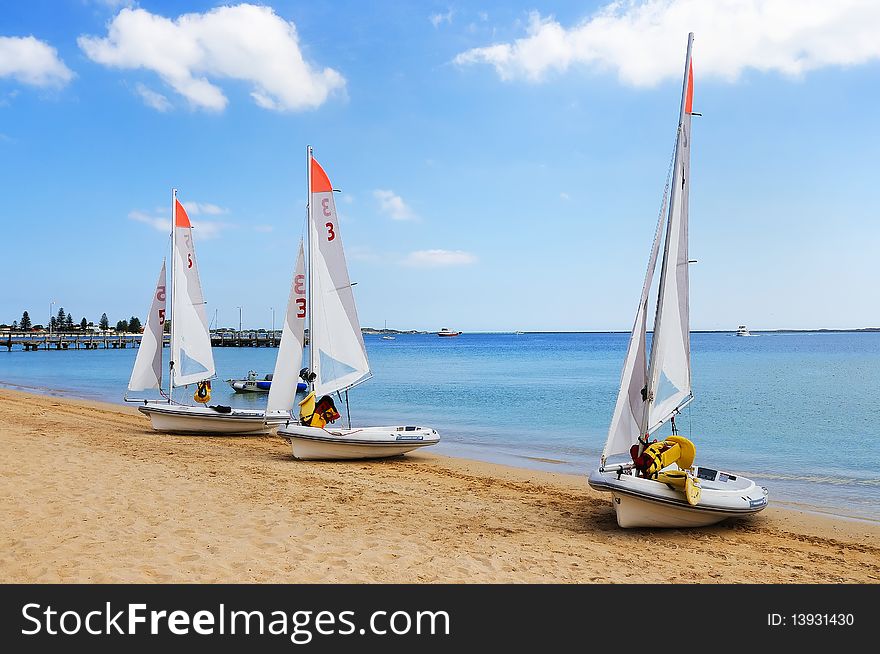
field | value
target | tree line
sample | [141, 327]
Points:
[63, 322]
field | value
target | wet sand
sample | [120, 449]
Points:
[90, 493]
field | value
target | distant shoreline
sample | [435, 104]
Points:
[718, 331]
[616, 331]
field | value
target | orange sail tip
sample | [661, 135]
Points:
[689, 99]
[181, 219]
[320, 181]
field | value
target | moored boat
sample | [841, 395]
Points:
[337, 355]
[191, 357]
[656, 483]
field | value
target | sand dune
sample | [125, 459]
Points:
[90, 493]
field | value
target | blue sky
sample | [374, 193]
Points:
[501, 163]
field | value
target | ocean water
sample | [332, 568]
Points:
[797, 412]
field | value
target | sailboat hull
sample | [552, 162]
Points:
[640, 502]
[311, 443]
[177, 418]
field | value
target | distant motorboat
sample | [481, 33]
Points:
[253, 385]
[742, 331]
[447, 332]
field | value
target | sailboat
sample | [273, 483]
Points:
[192, 361]
[337, 355]
[657, 483]
[385, 335]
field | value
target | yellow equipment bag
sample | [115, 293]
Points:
[317, 414]
[307, 415]
[203, 392]
[688, 451]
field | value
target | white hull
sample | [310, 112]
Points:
[311, 443]
[247, 386]
[179, 418]
[640, 502]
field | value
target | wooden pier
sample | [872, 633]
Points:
[33, 341]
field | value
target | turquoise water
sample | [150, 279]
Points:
[797, 412]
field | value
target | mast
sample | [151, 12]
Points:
[309, 260]
[676, 176]
[173, 267]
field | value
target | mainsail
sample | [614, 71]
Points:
[337, 353]
[191, 355]
[670, 371]
[282, 392]
[650, 394]
[147, 371]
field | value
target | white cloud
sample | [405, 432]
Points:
[364, 253]
[33, 62]
[203, 229]
[437, 19]
[244, 42]
[439, 258]
[155, 100]
[113, 4]
[564, 196]
[199, 208]
[643, 42]
[159, 223]
[393, 205]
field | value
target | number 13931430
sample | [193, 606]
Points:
[810, 620]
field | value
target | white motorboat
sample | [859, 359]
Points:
[191, 359]
[656, 483]
[337, 356]
[742, 331]
[251, 384]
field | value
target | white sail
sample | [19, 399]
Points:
[147, 371]
[338, 356]
[670, 371]
[288, 363]
[669, 385]
[626, 423]
[191, 352]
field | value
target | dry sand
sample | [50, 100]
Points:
[90, 493]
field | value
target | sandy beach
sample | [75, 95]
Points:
[90, 493]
